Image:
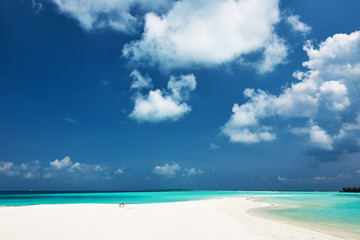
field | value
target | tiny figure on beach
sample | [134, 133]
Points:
[122, 205]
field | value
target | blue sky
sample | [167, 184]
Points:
[220, 94]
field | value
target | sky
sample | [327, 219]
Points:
[195, 94]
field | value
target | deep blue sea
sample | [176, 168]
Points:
[332, 212]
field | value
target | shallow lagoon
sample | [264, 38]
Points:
[332, 212]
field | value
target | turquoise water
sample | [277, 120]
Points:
[33, 198]
[332, 212]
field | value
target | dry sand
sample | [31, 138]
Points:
[217, 219]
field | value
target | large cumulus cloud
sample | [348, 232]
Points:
[209, 33]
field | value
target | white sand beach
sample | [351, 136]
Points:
[217, 219]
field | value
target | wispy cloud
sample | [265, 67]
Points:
[281, 179]
[354, 125]
[104, 83]
[297, 25]
[213, 146]
[29, 175]
[48, 175]
[116, 15]
[37, 6]
[140, 81]
[337, 177]
[284, 179]
[70, 120]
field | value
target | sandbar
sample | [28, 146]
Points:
[212, 219]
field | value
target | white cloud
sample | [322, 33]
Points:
[299, 130]
[74, 167]
[172, 170]
[27, 170]
[140, 81]
[58, 168]
[243, 125]
[358, 171]
[24, 166]
[299, 100]
[326, 91]
[160, 105]
[187, 33]
[353, 126]
[247, 136]
[209, 33]
[322, 178]
[193, 171]
[119, 171]
[64, 165]
[338, 57]
[341, 175]
[82, 170]
[275, 53]
[181, 87]
[65, 168]
[7, 168]
[157, 107]
[65, 162]
[320, 138]
[297, 25]
[98, 168]
[114, 14]
[282, 179]
[29, 175]
[334, 94]
[167, 170]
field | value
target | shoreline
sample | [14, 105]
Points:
[265, 212]
[217, 218]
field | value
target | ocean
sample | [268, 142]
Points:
[335, 213]
[33, 198]
[332, 212]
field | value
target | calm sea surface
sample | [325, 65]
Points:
[332, 212]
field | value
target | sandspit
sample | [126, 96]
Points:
[217, 219]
